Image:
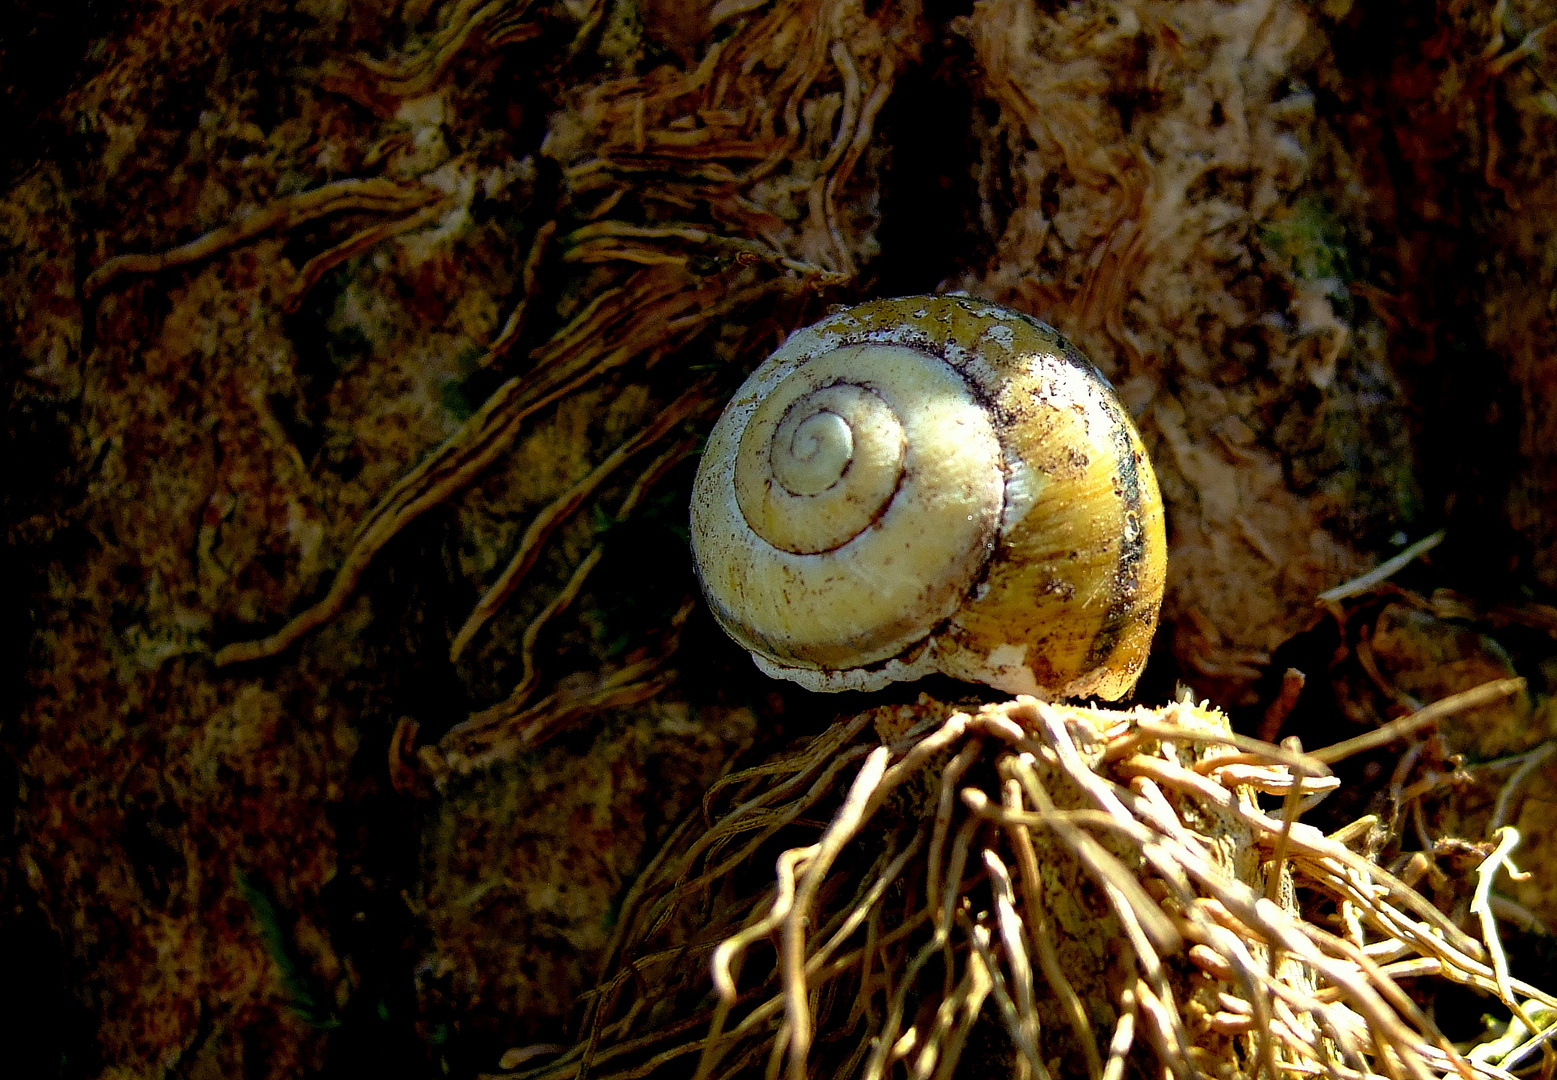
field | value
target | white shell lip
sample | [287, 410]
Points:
[865, 679]
[1003, 670]
[1003, 667]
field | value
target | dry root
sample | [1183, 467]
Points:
[698, 198]
[1032, 890]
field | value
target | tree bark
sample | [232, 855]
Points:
[357, 356]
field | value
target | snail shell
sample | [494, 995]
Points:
[932, 483]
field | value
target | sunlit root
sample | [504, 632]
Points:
[1027, 890]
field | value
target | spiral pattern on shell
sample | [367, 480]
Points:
[932, 484]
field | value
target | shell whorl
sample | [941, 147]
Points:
[867, 491]
[822, 457]
[932, 484]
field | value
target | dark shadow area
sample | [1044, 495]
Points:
[1431, 195]
[930, 227]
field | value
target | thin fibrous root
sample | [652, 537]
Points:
[611, 331]
[1058, 865]
[549, 519]
[374, 194]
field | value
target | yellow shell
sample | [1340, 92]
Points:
[932, 483]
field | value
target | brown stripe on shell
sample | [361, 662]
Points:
[1121, 611]
[1125, 587]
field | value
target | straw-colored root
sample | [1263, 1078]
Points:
[1029, 890]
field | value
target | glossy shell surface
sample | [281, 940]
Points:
[932, 483]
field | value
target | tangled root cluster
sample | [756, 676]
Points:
[1033, 890]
